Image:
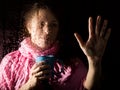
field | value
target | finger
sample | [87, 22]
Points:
[102, 33]
[79, 39]
[97, 28]
[34, 66]
[43, 73]
[44, 78]
[90, 27]
[41, 63]
[107, 35]
[37, 65]
[40, 68]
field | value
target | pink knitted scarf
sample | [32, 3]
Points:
[27, 48]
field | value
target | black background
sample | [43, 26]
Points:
[79, 11]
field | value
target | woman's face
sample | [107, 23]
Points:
[43, 28]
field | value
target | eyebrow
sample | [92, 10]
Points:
[55, 21]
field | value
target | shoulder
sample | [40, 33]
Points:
[11, 55]
[9, 59]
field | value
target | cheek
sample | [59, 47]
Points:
[55, 33]
[35, 34]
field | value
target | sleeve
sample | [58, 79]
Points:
[6, 73]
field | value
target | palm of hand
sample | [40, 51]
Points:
[94, 47]
[96, 43]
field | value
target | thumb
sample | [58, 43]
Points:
[79, 40]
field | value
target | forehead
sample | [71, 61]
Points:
[44, 14]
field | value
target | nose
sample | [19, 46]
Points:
[46, 28]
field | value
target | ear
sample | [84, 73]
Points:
[28, 27]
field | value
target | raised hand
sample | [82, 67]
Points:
[95, 46]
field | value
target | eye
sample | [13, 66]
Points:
[53, 25]
[42, 24]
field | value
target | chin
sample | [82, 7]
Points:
[45, 46]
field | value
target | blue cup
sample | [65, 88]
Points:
[49, 59]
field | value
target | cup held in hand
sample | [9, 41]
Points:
[49, 59]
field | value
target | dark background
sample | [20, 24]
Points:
[78, 12]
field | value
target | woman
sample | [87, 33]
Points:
[19, 70]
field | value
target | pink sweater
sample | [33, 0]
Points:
[15, 69]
